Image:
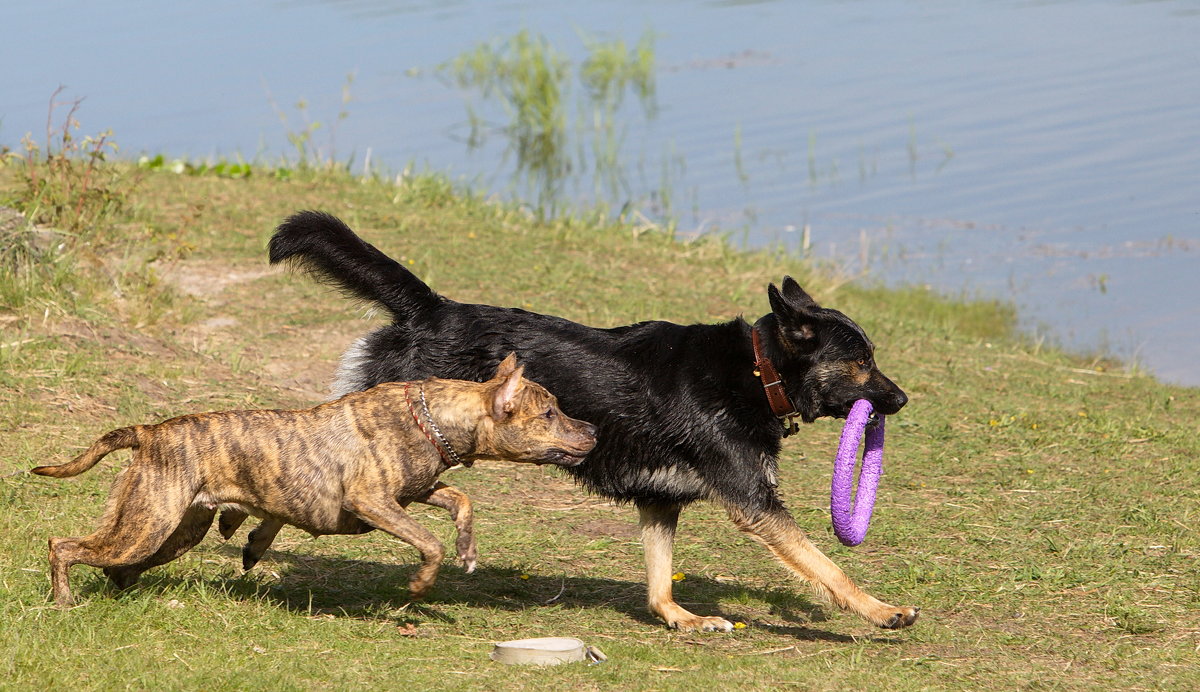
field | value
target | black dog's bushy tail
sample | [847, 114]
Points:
[324, 246]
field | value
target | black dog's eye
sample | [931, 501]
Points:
[862, 362]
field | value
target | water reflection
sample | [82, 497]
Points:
[1039, 152]
[560, 119]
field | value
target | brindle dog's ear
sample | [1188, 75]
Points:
[507, 366]
[504, 398]
[796, 315]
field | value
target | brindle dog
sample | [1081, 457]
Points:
[345, 467]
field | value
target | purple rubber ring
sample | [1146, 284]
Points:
[851, 520]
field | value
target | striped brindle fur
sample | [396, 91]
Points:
[345, 467]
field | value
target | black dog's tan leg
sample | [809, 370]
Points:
[230, 521]
[458, 504]
[191, 530]
[259, 540]
[658, 536]
[387, 515]
[778, 531]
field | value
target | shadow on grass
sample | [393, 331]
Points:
[313, 585]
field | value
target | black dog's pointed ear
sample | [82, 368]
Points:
[778, 305]
[796, 315]
[791, 300]
[796, 295]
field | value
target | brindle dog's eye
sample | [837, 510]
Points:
[549, 414]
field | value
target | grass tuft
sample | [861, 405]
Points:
[66, 184]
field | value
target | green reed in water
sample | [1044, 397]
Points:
[533, 83]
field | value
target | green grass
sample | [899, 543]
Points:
[1040, 508]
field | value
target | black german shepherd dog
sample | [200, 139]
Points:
[685, 413]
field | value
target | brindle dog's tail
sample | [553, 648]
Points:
[121, 438]
[324, 246]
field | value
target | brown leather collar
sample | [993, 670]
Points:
[772, 383]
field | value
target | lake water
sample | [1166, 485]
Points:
[1046, 153]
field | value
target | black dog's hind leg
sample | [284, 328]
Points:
[658, 523]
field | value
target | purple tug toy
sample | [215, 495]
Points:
[850, 521]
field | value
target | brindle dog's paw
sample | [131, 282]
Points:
[418, 589]
[122, 578]
[467, 553]
[904, 618]
[250, 557]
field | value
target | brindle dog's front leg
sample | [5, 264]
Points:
[458, 504]
[229, 522]
[658, 523]
[259, 540]
[441, 495]
[777, 530]
[387, 515]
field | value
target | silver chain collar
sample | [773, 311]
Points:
[458, 461]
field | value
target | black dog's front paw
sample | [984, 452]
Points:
[902, 619]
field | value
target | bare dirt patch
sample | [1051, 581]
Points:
[308, 378]
[534, 487]
[208, 278]
[110, 338]
[608, 528]
[239, 324]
